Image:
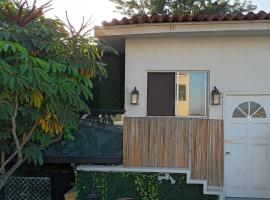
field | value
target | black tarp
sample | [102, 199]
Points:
[96, 144]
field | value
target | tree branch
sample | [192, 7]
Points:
[24, 13]
[20, 11]
[13, 129]
[2, 161]
[25, 140]
[82, 31]
[4, 178]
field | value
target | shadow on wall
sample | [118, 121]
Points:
[108, 92]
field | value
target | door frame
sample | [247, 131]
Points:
[225, 96]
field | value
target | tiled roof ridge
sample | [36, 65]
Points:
[198, 17]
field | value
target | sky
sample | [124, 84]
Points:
[100, 10]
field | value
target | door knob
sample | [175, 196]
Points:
[227, 153]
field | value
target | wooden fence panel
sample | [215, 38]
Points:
[216, 153]
[176, 143]
[181, 143]
[199, 154]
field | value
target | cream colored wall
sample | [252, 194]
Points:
[236, 64]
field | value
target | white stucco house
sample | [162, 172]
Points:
[175, 62]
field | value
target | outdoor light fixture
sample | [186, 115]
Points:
[134, 97]
[216, 96]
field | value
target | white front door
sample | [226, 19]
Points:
[247, 149]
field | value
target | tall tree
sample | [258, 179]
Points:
[45, 74]
[150, 7]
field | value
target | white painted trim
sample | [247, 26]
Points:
[225, 27]
[120, 168]
[246, 93]
[105, 168]
[185, 23]
[176, 93]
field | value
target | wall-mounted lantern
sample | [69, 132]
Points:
[134, 97]
[216, 96]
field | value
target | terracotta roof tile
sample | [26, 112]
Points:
[199, 17]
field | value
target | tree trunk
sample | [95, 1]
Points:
[4, 178]
[3, 155]
[7, 174]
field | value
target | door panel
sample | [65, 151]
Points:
[257, 130]
[238, 171]
[237, 130]
[259, 166]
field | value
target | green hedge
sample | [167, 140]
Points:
[139, 186]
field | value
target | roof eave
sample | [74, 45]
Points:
[243, 26]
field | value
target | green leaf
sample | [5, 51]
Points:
[57, 67]
[23, 68]
[86, 92]
[39, 157]
[40, 63]
[12, 83]
[6, 47]
[69, 136]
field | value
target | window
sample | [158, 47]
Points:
[249, 109]
[161, 94]
[182, 96]
[195, 92]
[177, 93]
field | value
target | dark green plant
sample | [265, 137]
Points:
[107, 93]
[139, 186]
[150, 7]
[46, 67]
[101, 185]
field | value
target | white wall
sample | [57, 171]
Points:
[236, 64]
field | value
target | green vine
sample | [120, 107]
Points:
[147, 186]
[139, 186]
[101, 184]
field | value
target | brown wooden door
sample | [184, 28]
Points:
[161, 94]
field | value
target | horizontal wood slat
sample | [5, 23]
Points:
[177, 143]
